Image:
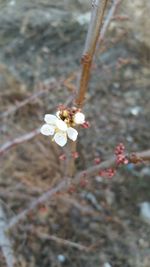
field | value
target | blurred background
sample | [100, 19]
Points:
[41, 43]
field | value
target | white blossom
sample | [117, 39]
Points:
[59, 129]
[79, 118]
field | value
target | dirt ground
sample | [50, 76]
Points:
[39, 42]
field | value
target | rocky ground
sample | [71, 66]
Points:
[41, 41]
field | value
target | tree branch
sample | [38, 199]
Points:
[65, 184]
[134, 158]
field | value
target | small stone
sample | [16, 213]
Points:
[110, 197]
[45, 49]
[128, 74]
[129, 139]
[94, 226]
[143, 243]
[12, 2]
[145, 171]
[61, 258]
[116, 85]
[145, 211]
[135, 111]
[107, 264]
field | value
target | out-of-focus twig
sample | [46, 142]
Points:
[108, 19]
[62, 241]
[44, 197]
[46, 87]
[5, 243]
[18, 140]
[137, 157]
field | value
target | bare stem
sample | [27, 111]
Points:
[70, 171]
[97, 15]
[108, 19]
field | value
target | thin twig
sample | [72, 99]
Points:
[62, 241]
[46, 87]
[108, 19]
[82, 208]
[44, 197]
[19, 140]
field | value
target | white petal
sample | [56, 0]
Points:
[72, 133]
[79, 118]
[61, 125]
[60, 138]
[51, 119]
[47, 129]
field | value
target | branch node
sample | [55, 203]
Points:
[86, 59]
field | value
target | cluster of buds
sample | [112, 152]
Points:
[111, 172]
[60, 126]
[74, 155]
[107, 172]
[71, 116]
[120, 154]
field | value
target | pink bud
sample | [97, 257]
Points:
[86, 125]
[83, 183]
[75, 155]
[62, 157]
[97, 160]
